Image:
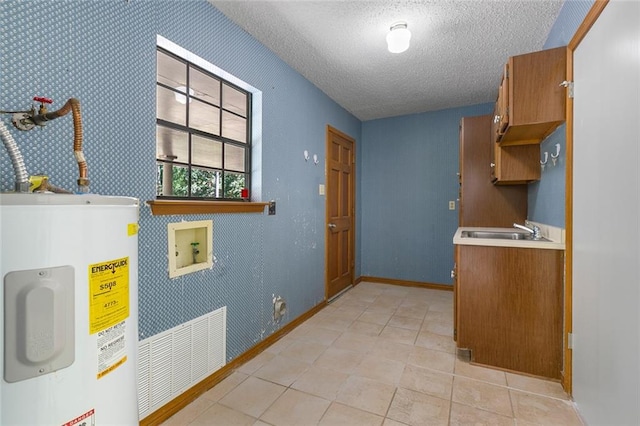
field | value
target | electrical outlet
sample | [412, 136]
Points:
[452, 205]
[272, 207]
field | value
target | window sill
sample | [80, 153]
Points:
[169, 207]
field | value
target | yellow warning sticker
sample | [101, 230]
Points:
[108, 294]
[132, 229]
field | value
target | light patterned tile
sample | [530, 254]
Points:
[392, 350]
[482, 395]
[391, 422]
[189, 413]
[386, 301]
[321, 335]
[535, 385]
[355, 342]
[253, 396]
[366, 394]
[225, 386]
[436, 342]
[322, 382]
[258, 361]
[416, 312]
[381, 369]
[349, 312]
[281, 344]
[435, 360]
[400, 335]
[337, 324]
[341, 360]
[221, 415]
[427, 381]
[478, 372]
[304, 351]
[295, 408]
[405, 322]
[282, 370]
[366, 328]
[444, 328]
[339, 414]
[463, 415]
[532, 409]
[437, 316]
[376, 316]
[415, 408]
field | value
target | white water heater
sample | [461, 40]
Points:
[69, 300]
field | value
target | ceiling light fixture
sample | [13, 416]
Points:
[398, 38]
[182, 99]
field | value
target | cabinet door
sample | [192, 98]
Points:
[536, 101]
[516, 164]
[503, 102]
[481, 202]
[509, 307]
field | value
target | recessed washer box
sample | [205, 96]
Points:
[190, 246]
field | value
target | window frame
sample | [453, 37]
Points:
[246, 146]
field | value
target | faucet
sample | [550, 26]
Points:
[534, 230]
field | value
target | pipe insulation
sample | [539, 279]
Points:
[19, 168]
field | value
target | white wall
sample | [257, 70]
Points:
[606, 267]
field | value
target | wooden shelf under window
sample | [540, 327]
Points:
[169, 207]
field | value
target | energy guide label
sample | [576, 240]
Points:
[108, 294]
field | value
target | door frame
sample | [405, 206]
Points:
[332, 130]
[591, 17]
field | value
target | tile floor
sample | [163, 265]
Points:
[378, 355]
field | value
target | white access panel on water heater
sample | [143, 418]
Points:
[69, 300]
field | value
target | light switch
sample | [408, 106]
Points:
[321, 189]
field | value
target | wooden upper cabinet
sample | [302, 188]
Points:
[531, 100]
[481, 202]
[515, 164]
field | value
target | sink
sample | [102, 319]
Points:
[500, 235]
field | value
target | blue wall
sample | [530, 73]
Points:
[103, 53]
[409, 167]
[546, 197]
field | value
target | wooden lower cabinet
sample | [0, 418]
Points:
[509, 307]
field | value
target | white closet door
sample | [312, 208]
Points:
[606, 218]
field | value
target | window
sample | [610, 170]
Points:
[203, 132]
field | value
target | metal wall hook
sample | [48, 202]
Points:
[546, 158]
[554, 158]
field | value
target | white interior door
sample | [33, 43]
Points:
[606, 216]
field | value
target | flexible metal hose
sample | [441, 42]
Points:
[72, 105]
[20, 170]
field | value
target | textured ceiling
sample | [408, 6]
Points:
[457, 51]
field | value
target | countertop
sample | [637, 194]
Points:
[555, 238]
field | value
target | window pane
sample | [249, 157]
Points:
[206, 152]
[171, 71]
[204, 86]
[204, 117]
[172, 180]
[168, 108]
[172, 145]
[233, 184]
[233, 158]
[205, 183]
[234, 127]
[234, 100]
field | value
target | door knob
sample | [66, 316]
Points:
[331, 225]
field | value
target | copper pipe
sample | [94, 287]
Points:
[72, 105]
